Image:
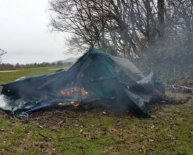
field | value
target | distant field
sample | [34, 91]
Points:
[168, 132]
[10, 75]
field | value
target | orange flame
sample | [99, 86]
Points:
[73, 90]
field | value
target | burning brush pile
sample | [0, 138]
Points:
[97, 80]
[73, 92]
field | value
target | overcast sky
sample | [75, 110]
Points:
[25, 35]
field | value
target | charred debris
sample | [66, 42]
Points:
[96, 80]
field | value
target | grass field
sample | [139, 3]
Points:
[168, 131]
[7, 76]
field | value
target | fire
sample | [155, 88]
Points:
[73, 104]
[72, 91]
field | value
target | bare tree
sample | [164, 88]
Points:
[2, 52]
[161, 17]
[129, 26]
[157, 32]
[126, 25]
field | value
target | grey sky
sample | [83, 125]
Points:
[25, 35]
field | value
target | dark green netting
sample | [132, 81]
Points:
[96, 79]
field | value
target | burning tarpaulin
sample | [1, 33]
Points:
[97, 80]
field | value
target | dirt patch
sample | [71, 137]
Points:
[52, 119]
[55, 119]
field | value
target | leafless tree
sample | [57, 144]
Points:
[2, 52]
[129, 26]
[161, 16]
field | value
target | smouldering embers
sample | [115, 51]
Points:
[73, 91]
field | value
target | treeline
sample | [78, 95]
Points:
[7, 66]
[156, 33]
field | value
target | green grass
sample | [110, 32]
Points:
[170, 131]
[10, 76]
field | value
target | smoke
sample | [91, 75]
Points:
[3, 102]
[170, 57]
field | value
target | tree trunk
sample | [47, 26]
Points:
[161, 17]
